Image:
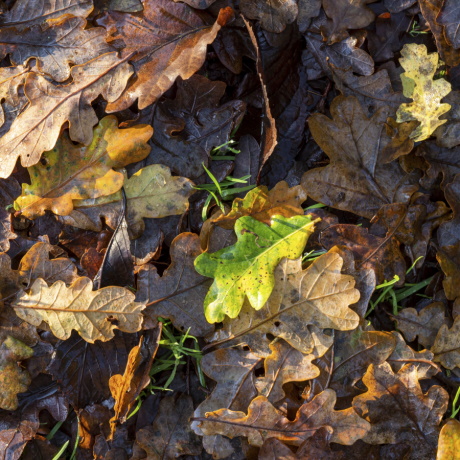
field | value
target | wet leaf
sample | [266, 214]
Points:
[449, 439]
[37, 128]
[93, 314]
[179, 293]
[284, 364]
[302, 303]
[424, 323]
[355, 180]
[70, 172]
[263, 421]
[13, 379]
[446, 347]
[173, 40]
[262, 204]
[246, 268]
[399, 411]
[449, 17]
[54, 47]
[426, 93]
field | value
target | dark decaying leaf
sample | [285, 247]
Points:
[117, 268]
[449, 17]
[9, 191]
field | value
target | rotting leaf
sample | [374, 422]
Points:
[70, 172]
[425, 92]
[263, 421]
[398, 410]
[173, 40]
[356, 180]
[262, 204]
[246, 268]
[37, 128]
[179, 293]
[93, 314]
[302, 303]
[449, 17]
[13, 379]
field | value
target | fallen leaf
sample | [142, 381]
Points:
[70, 172]
[382, 255]
[170, 432]
[9, 278]
[398, 410]
[13, 379]
[449, 17]
[424, 323]
[55, 46]
[26, 13]
[11, 78]
[9, 191]
[449, 439]
[446, 347]
[37, 128]
[126, 388]
[263, 421]
[302, 303]
[345, 14]
[169, 47]
[150, 193]
[246, 268]
[94, 315]
[262, 204]
[355, 180]
[425, 92]
[83, 369]
[284, 364]
[179, 293]
[272, 16]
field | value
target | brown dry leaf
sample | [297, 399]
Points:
[398, 410]
[449, 440]
[36, 263]
[179, 293]
[425, 324]
[170, 435]
[37, 128]
[262, 204]
[284, 364]
[446, 347]
[54, 47]
[263, 421]
[151, 192]
[75, 172]
[126, 388]
[93, 314]
[347, 360]
[448, 254]
[302, 303]
[233, 370]
[11, 78]
[379, 254]
[272, 15]
[169, 40]
[13, 379]
[356, 179]
[345, 14]
[26, 13]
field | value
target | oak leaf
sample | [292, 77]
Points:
[302, 303]
[262, 204]
[398, 410]
[246, 268]
[150, 193]
[9, 191]
[426, 93]
[70, 172]
[54, 47]
[179, 293]
[446, 347]
[93, 314]
[37, 128]
[11, 78]
[449, 440]
[263, 421]
[356, 179]
[13, 379]
[449, 17]
[169, 40]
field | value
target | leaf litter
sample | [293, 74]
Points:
[229, 229]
